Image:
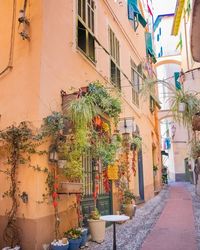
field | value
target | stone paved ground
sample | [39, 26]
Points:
[131, 234]
[175, 229]
[196, 209]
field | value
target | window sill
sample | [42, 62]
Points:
[85, 57]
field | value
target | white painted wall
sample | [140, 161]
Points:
[166, 41]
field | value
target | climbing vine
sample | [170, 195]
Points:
[16, 145]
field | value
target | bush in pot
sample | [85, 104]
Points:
[74, 237]
[129, 208]
[96, 227]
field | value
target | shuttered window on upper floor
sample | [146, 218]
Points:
[115, 74]
[85, 28]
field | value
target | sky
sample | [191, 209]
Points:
[163, 7]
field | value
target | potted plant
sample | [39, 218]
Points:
[128, 199]
[96, 227]
[84, 234]
[74, 237]
[60, 244]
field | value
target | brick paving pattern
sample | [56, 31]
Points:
[175, 229]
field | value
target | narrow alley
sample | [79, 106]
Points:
[100, 125]
[167, 222]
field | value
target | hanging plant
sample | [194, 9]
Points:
[108, 104]
[53, 125]
[136, 143]
[191, 104]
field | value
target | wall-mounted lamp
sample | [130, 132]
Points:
[53, 153]
[126, 125]
[24, 197]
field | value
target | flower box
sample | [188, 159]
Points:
[70, 188]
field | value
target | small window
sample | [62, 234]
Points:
[136, 81]
[158, 37]
[85, 33]
[160, 31]
[115, 74]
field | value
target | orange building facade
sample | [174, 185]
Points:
[64, 45]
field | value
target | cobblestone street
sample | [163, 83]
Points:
[164, 222]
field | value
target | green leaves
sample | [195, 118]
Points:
[52, 124]
[136, 143]
[102, 98]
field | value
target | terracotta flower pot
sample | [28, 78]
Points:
[97, 230]
[130, 210]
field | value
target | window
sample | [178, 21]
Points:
[115, 75]
[85, 33]
[136, 79]
[158, 37]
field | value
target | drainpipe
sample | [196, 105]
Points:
[186, 42]
[12, 37]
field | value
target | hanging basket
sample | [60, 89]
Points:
[181, 107]
[196, 122]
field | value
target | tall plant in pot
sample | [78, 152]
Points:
[128, 198]
[96, 226]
